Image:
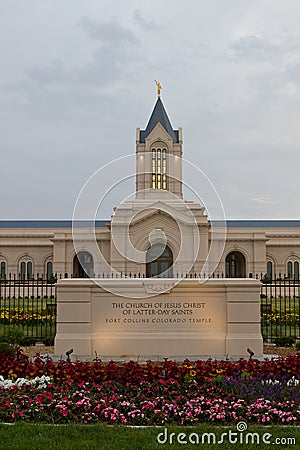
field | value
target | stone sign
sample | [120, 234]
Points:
[215, 318]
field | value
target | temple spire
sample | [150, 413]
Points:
[159, 115]
[159, 154]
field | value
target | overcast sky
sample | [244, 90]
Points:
[76, 80]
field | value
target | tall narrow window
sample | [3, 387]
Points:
[164, 169]
[153, 168]
[290, 269]
[233, 268]
[296, 270]
[158, 159]
[3, 270]
[227, 269]
[23, 270]
[159, 169]
[49, 270]
[270, 270]
[29, 270]
[26, 272]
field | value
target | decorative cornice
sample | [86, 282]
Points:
[282, 244]
[26, 245]
[26, 236]
[252, 239]
[285, 236]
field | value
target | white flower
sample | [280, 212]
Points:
[292, 382]
[37, 382]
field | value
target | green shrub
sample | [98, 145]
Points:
[4, 346]
[284, 341]
[297, 345]
[48, 341]
[12, 334]
[3, 339]
[26, 341]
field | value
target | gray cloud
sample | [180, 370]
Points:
[75, 83]
[292, 71]
[56, 89]
[146, 24]
[253, 46]
[111, 32]
[106, 65]
[263, 200]
[52, 74]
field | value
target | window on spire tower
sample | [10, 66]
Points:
[159, 169]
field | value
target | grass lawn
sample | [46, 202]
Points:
[88, 437]
[273, 331]
[27, 302]
[280, 304]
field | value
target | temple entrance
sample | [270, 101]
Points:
[159, 263]
[235, 265]
[83, 265]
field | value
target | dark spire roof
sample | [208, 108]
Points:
[159, 115]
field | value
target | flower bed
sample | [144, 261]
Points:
[276, 316]
[25, 316]
[149, 394]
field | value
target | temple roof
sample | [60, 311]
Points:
[104, 223]
[159, 115]
[53, 223]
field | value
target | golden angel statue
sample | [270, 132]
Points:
[159, 88]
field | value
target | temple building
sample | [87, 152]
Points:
[155, 220]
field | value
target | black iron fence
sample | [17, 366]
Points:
[28, 307]
[280, 309]
[27, 310]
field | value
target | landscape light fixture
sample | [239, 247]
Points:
[251, 353]
[68, 353]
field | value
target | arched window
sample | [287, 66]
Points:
[49, 270]
[296, 270]
[29, 270]
[83, 265]
[23, 270]
[159, 168]
[159, 261]
[290, 269]
[293, 270]
[270, 270]
[3, 269]
[235, 265]
[26, 272]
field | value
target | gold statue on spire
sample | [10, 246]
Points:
[159, 88]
